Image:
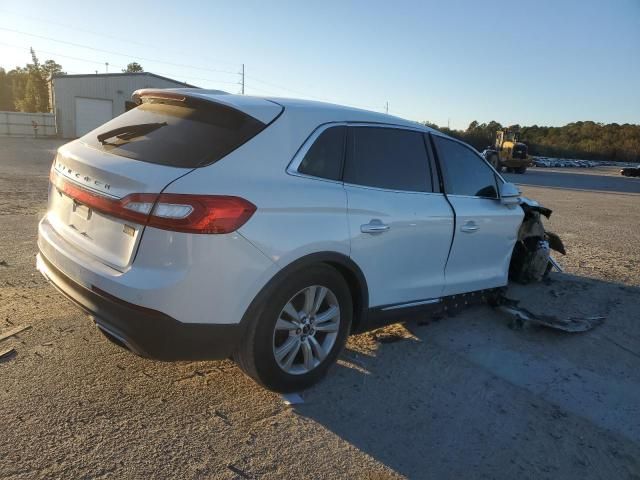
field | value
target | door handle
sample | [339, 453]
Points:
[374, 226]
[470, 227]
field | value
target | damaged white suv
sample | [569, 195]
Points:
[202, 226]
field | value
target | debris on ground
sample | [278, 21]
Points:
[531, 260]
[237, 471]
[388, 337]
[390, 334]
[222, 417]
[7, 353]
[3, 263]
[292, 399]
[12, 331]
[522, 318]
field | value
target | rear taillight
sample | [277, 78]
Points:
[168, 211]
[191, 213]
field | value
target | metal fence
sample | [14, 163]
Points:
[21, 124]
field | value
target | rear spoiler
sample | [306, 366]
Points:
[261, 109]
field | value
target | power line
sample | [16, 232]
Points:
[111, 52]
[188, 77]
[242, 79]
[99, 34]
[52, 53]
[243, 76]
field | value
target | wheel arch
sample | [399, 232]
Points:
[349, 270]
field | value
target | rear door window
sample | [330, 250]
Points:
[174, 133]
[386, 157]
[325, 157]
[464, 171]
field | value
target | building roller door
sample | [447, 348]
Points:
[91, 113]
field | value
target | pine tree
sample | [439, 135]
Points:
[133, 67]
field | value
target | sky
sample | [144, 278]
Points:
[449, 62]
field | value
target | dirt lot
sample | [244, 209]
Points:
[461, 397]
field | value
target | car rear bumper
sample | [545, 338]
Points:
[146, 332]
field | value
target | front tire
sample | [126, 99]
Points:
[521, 170]
[299, 331]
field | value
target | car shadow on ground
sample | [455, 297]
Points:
[467, 395]
[539, 177]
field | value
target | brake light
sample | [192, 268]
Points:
[168, 211]
[193, 213]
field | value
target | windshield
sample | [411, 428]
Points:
[174, 133]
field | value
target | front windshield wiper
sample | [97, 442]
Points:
[130, 131]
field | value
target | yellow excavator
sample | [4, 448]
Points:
[508, 153]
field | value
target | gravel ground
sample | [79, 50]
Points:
[460, 397]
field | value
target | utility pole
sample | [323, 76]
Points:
[386, 108]
[448, 124]
[242, 79]
[106, 65]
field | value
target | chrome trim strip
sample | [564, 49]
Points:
[413, 304]
[456, 195]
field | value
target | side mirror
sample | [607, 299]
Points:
[509, 194]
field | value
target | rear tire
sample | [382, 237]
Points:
[299, 330]
[520, 170]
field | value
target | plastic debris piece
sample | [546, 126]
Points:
[555, 264]
[292, 399]
[13, 331]
[523, 317]
[7, 353]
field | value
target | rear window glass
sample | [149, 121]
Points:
[175, 134]
[390, 158]
[324, 158]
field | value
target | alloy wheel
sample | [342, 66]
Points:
[306, 330]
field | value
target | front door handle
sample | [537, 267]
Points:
[374, 226]
[469, 227]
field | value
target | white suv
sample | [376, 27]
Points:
[201, 225]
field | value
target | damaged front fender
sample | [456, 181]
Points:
[531, 258]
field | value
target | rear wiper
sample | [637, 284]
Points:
[130, 131]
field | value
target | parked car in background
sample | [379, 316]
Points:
[204, 226]
[630, 171]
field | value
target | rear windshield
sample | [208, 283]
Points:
[176, 134]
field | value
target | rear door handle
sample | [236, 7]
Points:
[469, 227]
[374, 226]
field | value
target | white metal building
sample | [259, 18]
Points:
[84, 102]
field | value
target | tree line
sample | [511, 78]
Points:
[582, 140]
[26, 89]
